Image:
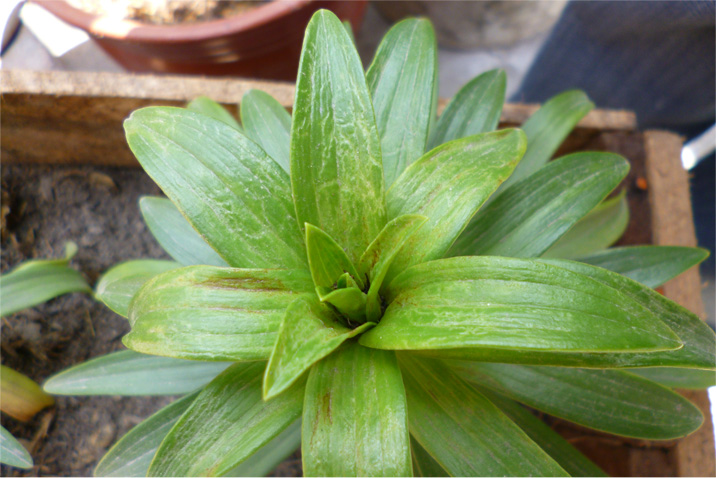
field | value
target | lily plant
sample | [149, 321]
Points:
[387, 289]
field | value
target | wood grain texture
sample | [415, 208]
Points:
[673, 224]
[53, 117]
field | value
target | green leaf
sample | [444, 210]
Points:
[37, 281]
[309, 331]
[423, 463]
[176, 236]
[133, 453]
[269, 456]
[212, 109]
[402, 81]
[213, 313]
[448, 185]
[599, 229]
[550, 441]
[650, 265]
[268, 124]
[533, 214]
[12, 452]
[225, 185]
[355, 416]
[349, 301]
[547, 128]
[465, 433]
[474, 109]
[119, 285]
[679, 377]
[226, 424]
[517, 304]
[130, 373]
[612, 401]
[336, 169]
[377, 259]
[326, 259]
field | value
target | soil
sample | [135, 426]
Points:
[97, 208]
[166, 12]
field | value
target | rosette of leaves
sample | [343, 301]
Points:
[385, 289]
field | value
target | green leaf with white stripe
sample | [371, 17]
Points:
[213, 313]
[130, 373]
[212, 109]
[268, 124]
[117, 287]
[465, 433]
[402, 81]
[37, 281]
[612, 401]
[176, 236]
[533, 214]
[226, 424]
[599, 229]
[309, 331]
[547, 129]
[336, 168]
[327, 260]
[516, 304]
[687, 378]
[237, 197]
[476, 108]
[448, 185]
[355, 419]
[133, 453]
[650, 265]
[568, 457]
[12, 453]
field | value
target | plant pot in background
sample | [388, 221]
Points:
[264, 42]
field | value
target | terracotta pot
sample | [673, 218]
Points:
[264, 42]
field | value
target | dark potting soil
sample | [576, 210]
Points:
[96, 207]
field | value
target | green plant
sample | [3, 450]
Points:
[29, 284]
[336, 286]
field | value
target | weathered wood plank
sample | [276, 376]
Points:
[673, 224]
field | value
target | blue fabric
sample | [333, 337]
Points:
[655, 58]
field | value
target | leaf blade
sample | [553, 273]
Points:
[401, 80]
[128, 373]
[526, 219]
[649, 265]
[326, 259]
[336, 168]
[476, 108]
[229, 190]
[612, 401]
[673, 377]
[599, 229]
[225, 425]
[118, 285]
[268, 124]
[12, 452]
[176, 235]
[448, 184]
[344, 436]
[510, 303]
[212, 109]
[465, 432]
[308, 333]
[132, 454]
[213, 313]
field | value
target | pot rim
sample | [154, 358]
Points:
[104, 26]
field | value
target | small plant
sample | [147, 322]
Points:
[28, 285]
[383, 289]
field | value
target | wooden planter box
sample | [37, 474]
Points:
[59, 119]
